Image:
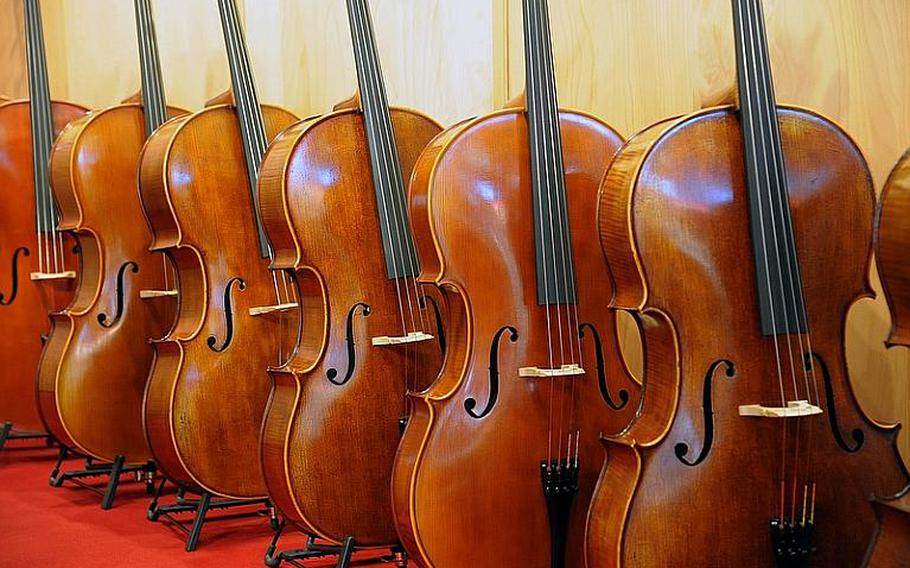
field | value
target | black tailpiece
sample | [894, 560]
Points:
[792, 543]
[560, 484]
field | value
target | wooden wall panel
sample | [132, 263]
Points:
[303, 56]
[635, 61]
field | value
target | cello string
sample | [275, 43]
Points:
[547, 180]
[534, 152]
[793, 268]
[257, 141]
[768, 109]
[387, 154]
[565, 235]
[244, 101]
[560, 197]
[398, 195]
[46, 130]
[32, 25]
[357, 33]
[30, 56]
[747, 108]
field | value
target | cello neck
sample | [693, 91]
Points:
[778, 283]
[552, 240]
[249, 112]
[42, 125]
[153, 102]
[397, 240]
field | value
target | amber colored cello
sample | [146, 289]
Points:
[208, 386]
[501, 454]
[892, 238]
[741, 237]
[97, 358]
[37, 263]
[335, 207]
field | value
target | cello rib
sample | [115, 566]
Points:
[199, 398]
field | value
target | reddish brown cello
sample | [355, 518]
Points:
[208, 387]
[501, 453]
[892, 232]
[335, 207]
[742, 237]
[37, 263]
[96, 362]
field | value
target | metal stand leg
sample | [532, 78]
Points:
[114, 470]
[344, 556]
[7, 434]
[205, 503]
[203, 508]
[152, 512]
[4, 433]
[112, 483]
[56, 480]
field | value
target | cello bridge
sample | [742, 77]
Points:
[563, 371]
[412, 337]
[794, 409]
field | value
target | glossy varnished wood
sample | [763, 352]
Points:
[463, 480]
[204, 409]
[328, 449]
[891, 547]
[24, 322]
[891, 245]
[93, 375]
[675, 228]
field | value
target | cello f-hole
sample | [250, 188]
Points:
[103, 317]
[437, 314]
[470, 403]
[858, 436]
[682, 448]
[14, 290]
[332, 373]
[623, 394]
[228, 316]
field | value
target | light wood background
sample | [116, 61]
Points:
[631, 62]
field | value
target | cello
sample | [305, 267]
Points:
[208, 386]
[333, 201]
[892, 227]
[93, 372]
[37, 265]
[501, 454]
[741, 237]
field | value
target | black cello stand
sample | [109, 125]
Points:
[7, 433]
[201, 503]
[314, 549]
[144, 472]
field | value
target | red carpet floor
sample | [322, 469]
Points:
[43, 526]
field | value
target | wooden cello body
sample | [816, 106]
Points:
[98, 353]
[96, 362]
[37, 265]
[892, 237]
[503, 449]
[742, 237]
[333, 201]
[24, 303]
[332, 428]
[208, 386]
